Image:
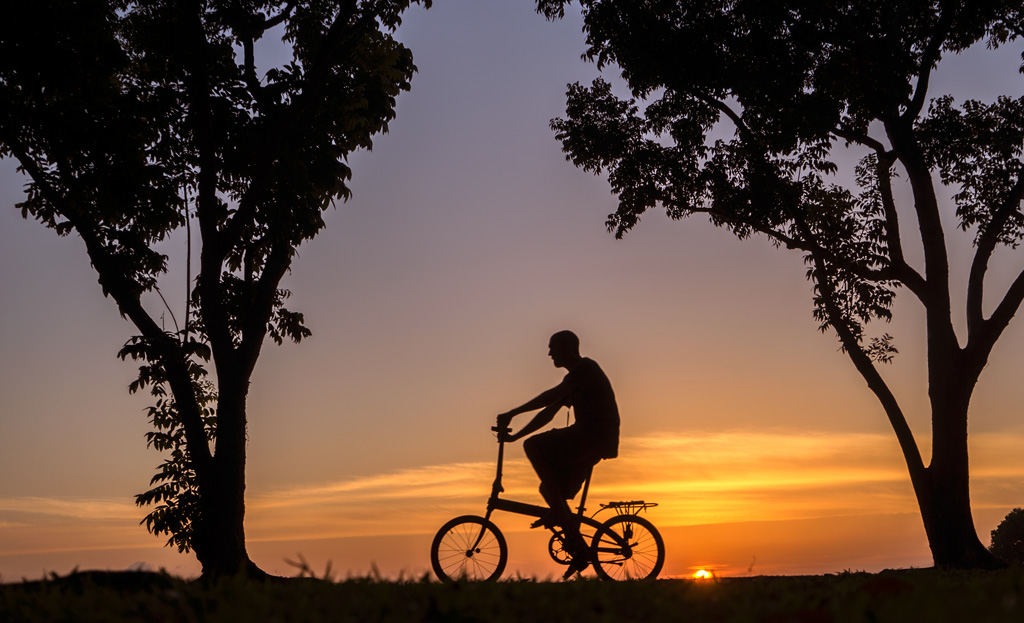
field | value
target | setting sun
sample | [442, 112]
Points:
[702, 574]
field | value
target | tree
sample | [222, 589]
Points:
[132, 119]
[1008, 538]
[798, 82]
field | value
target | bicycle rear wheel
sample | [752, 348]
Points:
[468, 548]
[627, 547]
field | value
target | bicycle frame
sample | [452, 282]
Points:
[496, 502]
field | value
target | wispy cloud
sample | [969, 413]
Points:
[36, 525]
[72, 508]
[705, 478]
[452, 480]
[697, 479]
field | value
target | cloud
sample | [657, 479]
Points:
[453, 480]
[697, 479]
[36, 525]
[702, 478]
[71, 508]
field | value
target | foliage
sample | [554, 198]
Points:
[134, 119]
[174, 489]
[1008, 538]
[743, 111]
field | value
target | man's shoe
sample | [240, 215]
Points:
[576, 546]
[547, 520]
[578, 564]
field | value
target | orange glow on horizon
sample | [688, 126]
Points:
[770, 503]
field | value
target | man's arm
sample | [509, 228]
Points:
[540, 420]
[554, 397]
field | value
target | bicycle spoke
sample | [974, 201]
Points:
[468, 547]
[638, 556]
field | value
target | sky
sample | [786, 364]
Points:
[431, 294]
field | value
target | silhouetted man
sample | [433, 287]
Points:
[563, 457]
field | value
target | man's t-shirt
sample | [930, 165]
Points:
[593, 400]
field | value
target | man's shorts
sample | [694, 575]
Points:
[572, 453]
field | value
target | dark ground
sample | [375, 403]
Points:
[906, 596]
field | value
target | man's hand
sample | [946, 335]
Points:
[504, 419]
[504, 430]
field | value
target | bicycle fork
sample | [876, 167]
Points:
[475, 547]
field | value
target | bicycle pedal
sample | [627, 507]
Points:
[574, 568]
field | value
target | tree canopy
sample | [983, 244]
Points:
[795, 83]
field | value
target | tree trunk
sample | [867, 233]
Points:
[220, 536]
[943, 490]
[952, 537]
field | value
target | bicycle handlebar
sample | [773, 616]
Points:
[499, 430]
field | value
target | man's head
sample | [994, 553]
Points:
[564, 349]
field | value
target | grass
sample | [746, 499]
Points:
[916, 595]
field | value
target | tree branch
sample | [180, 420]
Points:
[285, 13]
[1001, 317]
[986, 246]
[248, 29]
[860, 138]
[936, 280]
[905, 273]
[232, 231]
[929, 58]
[735, 117]
[893, 240]
[249, 68]
[209, 209]
[901, 270]
[187, 403]
[262, 309]
[911, 453]
[808, 245]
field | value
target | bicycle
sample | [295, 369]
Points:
[625, 546]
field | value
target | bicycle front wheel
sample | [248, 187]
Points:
[468, 548]
[627, 547]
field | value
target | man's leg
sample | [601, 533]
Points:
[540, 449]
[550, 489]
[572, 540]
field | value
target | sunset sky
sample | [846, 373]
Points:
[431, 296]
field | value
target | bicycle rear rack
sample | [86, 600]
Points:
[632, 507]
